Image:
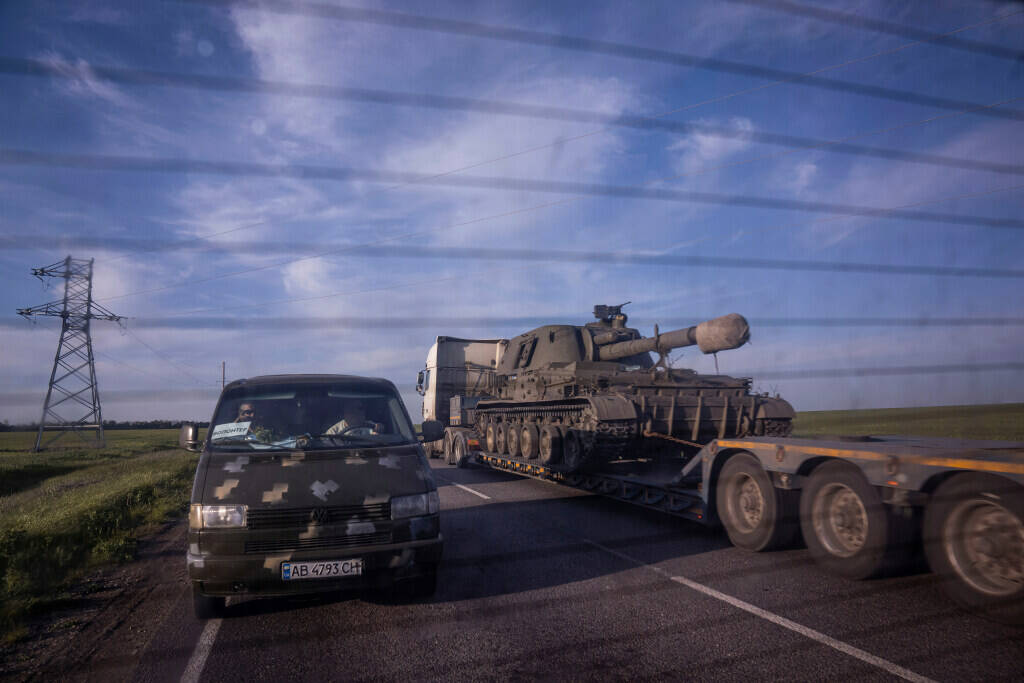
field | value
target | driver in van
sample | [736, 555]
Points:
[354, 422]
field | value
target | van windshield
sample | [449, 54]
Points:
[287, 416]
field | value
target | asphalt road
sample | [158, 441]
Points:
[542, 581]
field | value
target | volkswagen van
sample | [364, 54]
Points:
[310, 483]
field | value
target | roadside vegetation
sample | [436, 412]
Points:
[67, 510]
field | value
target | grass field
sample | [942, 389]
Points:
[1002, 421]
[63, 511]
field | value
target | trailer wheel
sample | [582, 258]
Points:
[848, 529]
[491, 436]
[550, 445]
[459, 450]
[756, 515]
[529, 437]
[512, 439]
[974, 541]
[501, 438]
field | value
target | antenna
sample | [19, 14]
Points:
[72, 387]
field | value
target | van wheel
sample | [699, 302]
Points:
[425, 585]
[848, 529]
[756, 515]
[207, 606]
[974, 541]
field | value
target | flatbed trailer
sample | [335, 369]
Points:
[865, 506]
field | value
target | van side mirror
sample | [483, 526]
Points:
[188, 437]
[431, 430]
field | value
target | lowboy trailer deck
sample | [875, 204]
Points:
[865, 506]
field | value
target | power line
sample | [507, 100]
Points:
[595, 46]
[297, 323]
[622, 258]
[165, 358]
[34, 67]
[857, 21]
[896, 371]
[95, 162]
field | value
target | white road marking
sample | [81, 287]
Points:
[839, 645]
[202, 651]
[464, 488]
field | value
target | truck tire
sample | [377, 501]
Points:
[550, 446]
[207, 606]
[756, 515]
[512, 439]
[500, 441]
[848, 529]
[529, 441]
[446, 446]
[974, 541]
[459, 450]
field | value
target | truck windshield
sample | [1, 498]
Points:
[282, 416]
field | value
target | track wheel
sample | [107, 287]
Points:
[574, 453]
[756, 515]
[207, 606]
[512, 439]
[491, 436]
[550, 446]
[974, 540]
[847, 527]
[529, 441]
[460, 450]
[501, 438]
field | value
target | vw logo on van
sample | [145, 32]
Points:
[320, 515]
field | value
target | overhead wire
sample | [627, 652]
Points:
[857, 21]
[720, 98]
[37, 67]
[594, 46]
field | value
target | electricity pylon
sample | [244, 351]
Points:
[73, 391]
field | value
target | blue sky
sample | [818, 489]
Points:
[212, 267]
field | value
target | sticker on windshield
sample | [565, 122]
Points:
[226, 431]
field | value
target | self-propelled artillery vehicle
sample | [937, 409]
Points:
[577, 396]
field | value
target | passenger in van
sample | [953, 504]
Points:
[353, 421]
[247, 413]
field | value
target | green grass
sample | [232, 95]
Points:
[65, 511]
[1004, 421]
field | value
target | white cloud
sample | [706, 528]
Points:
[697, 151]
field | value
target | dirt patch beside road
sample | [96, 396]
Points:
[98, 632]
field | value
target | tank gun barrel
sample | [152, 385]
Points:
[719, 334]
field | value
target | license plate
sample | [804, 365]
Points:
[330, 569]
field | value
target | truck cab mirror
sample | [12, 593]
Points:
[419, 383]
[431, 430]
[188, 438]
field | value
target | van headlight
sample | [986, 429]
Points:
[415, 506]
[217, 516]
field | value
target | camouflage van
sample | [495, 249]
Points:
[310, 483]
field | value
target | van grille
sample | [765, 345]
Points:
[276, 545]
[266, 518]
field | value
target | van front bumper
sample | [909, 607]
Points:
[260, 574]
